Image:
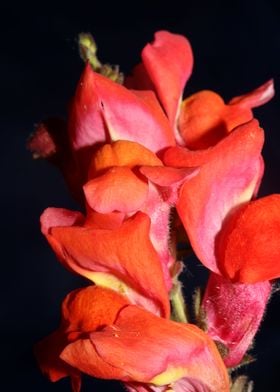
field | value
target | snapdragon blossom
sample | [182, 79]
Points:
[130, 154]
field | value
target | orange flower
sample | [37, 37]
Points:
[83, 311]
[126, 177]
[205, 119]
[105, 337]
[110, 251]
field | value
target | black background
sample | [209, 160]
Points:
[236, 47]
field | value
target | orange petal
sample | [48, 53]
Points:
[119, 189]
[83, 356]
[205, 119]
[249, 243]
[125, 252]
[122, 153]
[159, 351]
[90, 308]
[83, 310]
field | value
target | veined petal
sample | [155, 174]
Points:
[233, 314]
[227, 179]
[103, 110]
[248, 247]
[152, 350]
[125, 252]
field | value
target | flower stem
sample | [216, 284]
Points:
[179, 310]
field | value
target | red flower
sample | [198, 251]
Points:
[229, 175]
[202, 119]
[248, 247]
[166, 66]
[106, 338]
[232, 236]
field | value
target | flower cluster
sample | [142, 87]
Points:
[146, 165]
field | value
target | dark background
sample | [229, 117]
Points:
[236, 48]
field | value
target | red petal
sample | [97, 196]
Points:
[83, 356]
[168, 62]
[151, 349]
[168, 176]
[110, 221]
[233, 314]
[248, 246]
[139, 79]
[47, 353]
[255, 98]
[227, 179]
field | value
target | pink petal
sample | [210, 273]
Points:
[168, 62]
[233, 314]
[160, 351]
[106, 111]
[228, 178]
[255, 98]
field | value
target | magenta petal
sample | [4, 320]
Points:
[233, 314]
